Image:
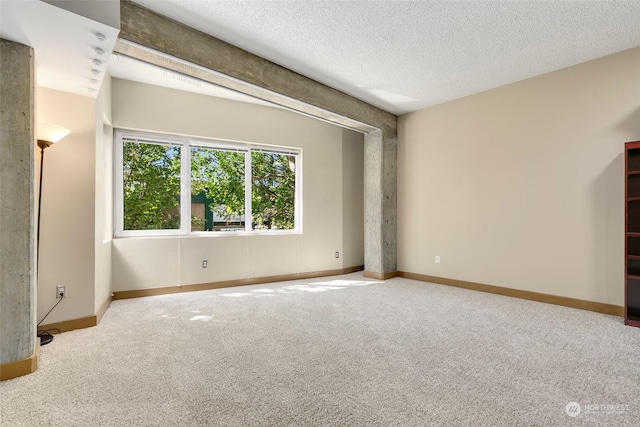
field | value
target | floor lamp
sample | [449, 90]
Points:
[48, 134]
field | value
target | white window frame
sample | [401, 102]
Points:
[186, 143]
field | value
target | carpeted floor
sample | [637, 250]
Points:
[338, 351]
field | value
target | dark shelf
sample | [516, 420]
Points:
[631, 321]
[633, 313]
[633, 267]
[633, 157]
[632, 232]
[633, 187]
[632, 298]
[633, 214]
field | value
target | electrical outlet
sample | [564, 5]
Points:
[61, 291]
[337, 254]
[205, 264]
[437, 259]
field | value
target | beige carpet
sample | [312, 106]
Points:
[339, 351]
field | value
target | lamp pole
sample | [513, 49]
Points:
[50, 133]
[42, 144]
[45, 337]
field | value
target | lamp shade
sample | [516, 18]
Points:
[51, 133]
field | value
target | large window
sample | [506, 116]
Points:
[174, 185]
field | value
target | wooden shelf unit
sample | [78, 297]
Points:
[632, 233]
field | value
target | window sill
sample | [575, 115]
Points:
[212, 234]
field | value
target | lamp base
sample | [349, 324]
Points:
[45, 337]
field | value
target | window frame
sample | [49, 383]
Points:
[186, 143]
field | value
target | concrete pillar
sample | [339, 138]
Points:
[17, 232]
[380, 203]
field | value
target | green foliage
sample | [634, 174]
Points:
[220, 174]
[273, 191]
[152, 186]
[151, 190]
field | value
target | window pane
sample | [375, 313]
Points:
[273, 191]
[217, 182]
[151, 186]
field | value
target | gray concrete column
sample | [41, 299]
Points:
[17, 233]
[380, 203]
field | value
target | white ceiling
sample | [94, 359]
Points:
[406, 55]
[64, 42]
[398, 55]
[63, 35]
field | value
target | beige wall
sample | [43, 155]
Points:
[353, 198]
[103, 230]
[522, 186]
[68, 207]
[76, 222]
[140, 263]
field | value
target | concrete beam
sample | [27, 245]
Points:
[163, 42]
[17, 234]
[146, 28]
[172, 63]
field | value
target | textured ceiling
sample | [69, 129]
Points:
[405, 55]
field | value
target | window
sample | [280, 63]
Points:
[273, 190]
[218, 183]
[231, 187]
[150, 185]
